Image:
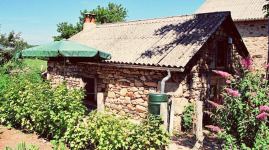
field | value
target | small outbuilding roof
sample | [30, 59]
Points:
[163, 42]
[240, 9]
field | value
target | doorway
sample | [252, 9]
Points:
[90, 93]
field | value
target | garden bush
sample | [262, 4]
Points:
[31, 104]
[187, 117]
[241, 120]
[105, 131]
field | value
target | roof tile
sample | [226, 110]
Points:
[240, 9]
[169, 42]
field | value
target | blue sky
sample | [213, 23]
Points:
[37, 19]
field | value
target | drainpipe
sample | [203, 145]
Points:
[164, 80]
[267, 69]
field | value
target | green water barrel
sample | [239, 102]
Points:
[155, 101]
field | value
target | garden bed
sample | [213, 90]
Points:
[11, 137]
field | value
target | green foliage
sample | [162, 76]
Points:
[12, 43]
[5, 56]
[112, 13]
[237, 116]
[187, 117]
[13, 40]
[23, 146]
[261, 140]
[66, 30]
[111, 132]
[29, 103]
[35, 64]
[262, 137]
[229, 141]
[149, 135]
[58, 145]
[266, 9]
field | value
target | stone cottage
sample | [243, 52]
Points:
[190, 47]
[249, 18]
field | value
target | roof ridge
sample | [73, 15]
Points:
[240, 9]
[158, 18]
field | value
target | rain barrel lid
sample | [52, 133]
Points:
[155, 97]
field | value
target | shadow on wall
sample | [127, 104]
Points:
[193, 31]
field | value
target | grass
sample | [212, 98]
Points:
[36, 64]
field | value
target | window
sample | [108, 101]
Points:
[90, 91]
[222, 54]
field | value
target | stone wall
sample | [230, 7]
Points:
[126, 90]
[255, 37]
[193, 87]
[197, 81]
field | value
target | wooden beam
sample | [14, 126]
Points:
[100, 102]
[199, 126]
[171, 119]
[164, 114]
[133, 66]
[199, 121]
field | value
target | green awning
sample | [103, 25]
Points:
[64, 48]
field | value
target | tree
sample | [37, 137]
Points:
[13, 43]
[13, 40]
[266, 9]
[66, 30]
[112, 13]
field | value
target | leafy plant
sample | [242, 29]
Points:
[262, 137]
[23, 146]
[228, 140]
[266, 9]
[29, 103]
[238, 116]
[149, 135]
[12, 42]
[242, 115]
[187, 117]
[58, 145]
[111, 132]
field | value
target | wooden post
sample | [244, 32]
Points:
[100, 102]
[164, 114]
[199, 125]
[171, 119]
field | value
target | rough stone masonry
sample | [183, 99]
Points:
[126, 90]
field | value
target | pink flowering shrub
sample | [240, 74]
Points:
[246, 63]
[215, 105]
[244, 113]
[228, 81]
[233, 93]
[262, 116]
[264, 108]
[223, 74]
[214, 128]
